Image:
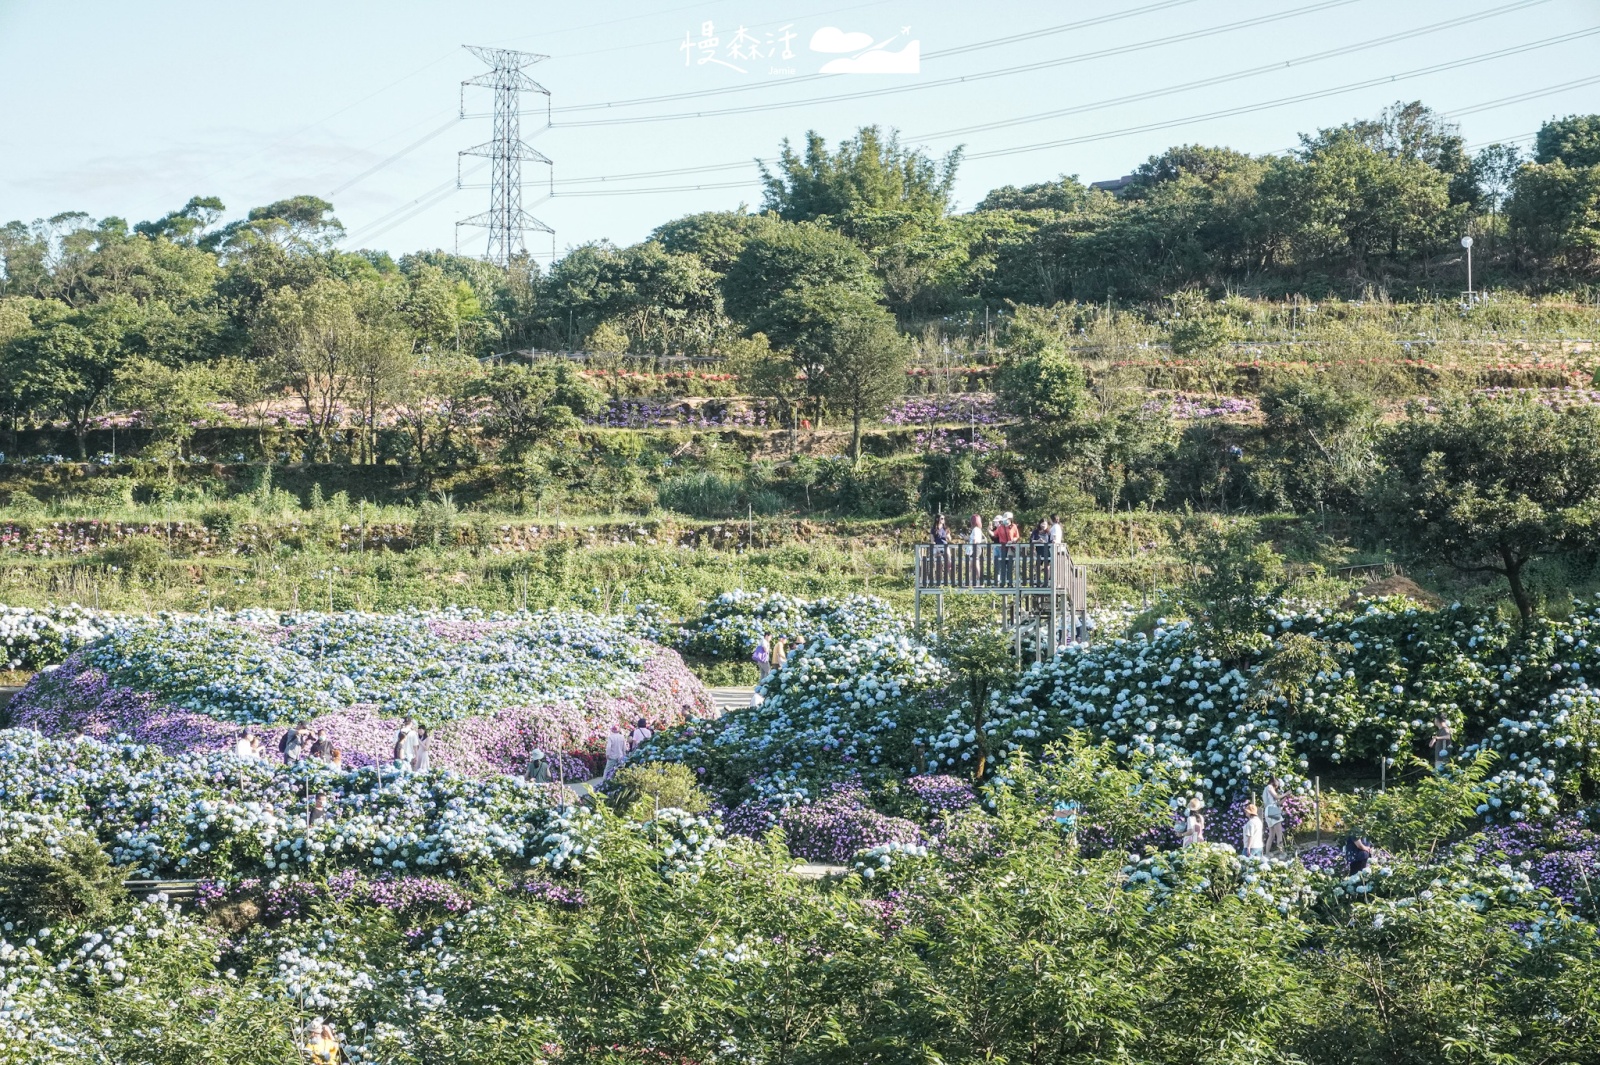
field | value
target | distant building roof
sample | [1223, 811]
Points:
[1114, 185]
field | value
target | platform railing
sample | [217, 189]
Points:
[994, 567]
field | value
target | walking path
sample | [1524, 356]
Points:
[726, 699]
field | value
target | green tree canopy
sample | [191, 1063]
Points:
[1574, 140]
[1488, 487]
[870, 171]
[764, 288]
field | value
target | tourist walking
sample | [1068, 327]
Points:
[780, 652]
[322, 747]
[1251, 838]
[1272, 798]
[1194, 824]
[1440, 743]
[421, 759]
[640, 733]
[763, 658]
[616, 751]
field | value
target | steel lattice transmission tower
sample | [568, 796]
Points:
[505, 219]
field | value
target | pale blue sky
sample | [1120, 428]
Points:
[128, 108]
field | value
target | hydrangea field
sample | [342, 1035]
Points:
[467, 915]
[492, 687]
[441, 919]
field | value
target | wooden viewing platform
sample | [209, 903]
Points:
[1039, 591]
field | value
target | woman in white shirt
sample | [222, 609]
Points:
[1251, 837]
[1194, 826]
[1272, 798]
[975, 540]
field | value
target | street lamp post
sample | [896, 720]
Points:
[1466, 242]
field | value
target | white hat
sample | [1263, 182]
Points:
[1006, 517]
[536, 755]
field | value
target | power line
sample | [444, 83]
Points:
[433, 195]
[1284, 100]
[1260, 106]
[1151, 94]
[668, 188]
[1050, 31]
[805, 78]
[986, 75]
[1238, 75]
[1521, 97]
[407, 150]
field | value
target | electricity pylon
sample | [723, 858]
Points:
[505, 219]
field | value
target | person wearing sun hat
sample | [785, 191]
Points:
[1252, 835]
[1194, 825]
[538, 769]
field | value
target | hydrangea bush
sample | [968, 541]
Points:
[731, 625]
[33, 639]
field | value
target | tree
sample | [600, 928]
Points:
[173, 401]
[1574, 140]
[763, 286]
[327, 343]
[1321, 434]
[714, 237]
[870, 171]
[188, 224]
[862, 363]
[1039, 383]
[1554, 214]
[982, 659]
[528, 403]
[69, 362]
[1238, 580]
[301, 223]
[1350, 203]
[1490, 486]
[247, 386]
[1494, 170]
[1065, 194]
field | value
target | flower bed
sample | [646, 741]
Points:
[492, 687]
[731, 625]
[32, 639]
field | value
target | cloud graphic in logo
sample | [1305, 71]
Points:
[833, 39]
[907, 60]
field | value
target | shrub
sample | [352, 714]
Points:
[72, 880]
[640, 791]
